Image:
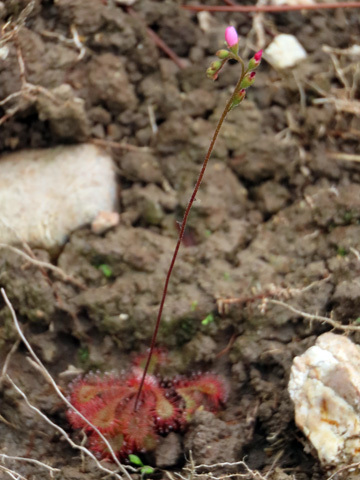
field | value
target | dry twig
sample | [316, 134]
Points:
[194, 471]
[270, 8]
[317, 318]
[355, 252]
[341, 105]
[12, 473]
[73, 42]
[52, 470]
[46, 265]
[11, 28]
[272, 295]
[350, 468]
[28, 90]
[65, 400]
[120, 145]
[7, 360]
[269, 292]
[347, 157]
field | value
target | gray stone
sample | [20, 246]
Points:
[46, 194]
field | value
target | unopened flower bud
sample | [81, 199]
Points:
[222, 54]
[248, 80]
[211, 73]
[232, 39]
[239, 97]
[258, 55]
[255, 60]
[231, 36]
[216, 65]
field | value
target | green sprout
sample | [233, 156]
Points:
[106, 270]
[143, 469]
[83, 354]
[194, 305]
[208, 319]
[341, 251]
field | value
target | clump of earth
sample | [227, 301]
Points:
[277, 217]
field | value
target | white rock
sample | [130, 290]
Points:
[206, 21]
[285, 51]
[325, 388]
[104, 221]
[46, 194]
[127, 3]
[4, 52]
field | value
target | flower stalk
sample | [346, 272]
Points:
[246, 79]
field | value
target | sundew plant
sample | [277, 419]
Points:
[131, 410]
[246, 79]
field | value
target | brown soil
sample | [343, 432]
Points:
[278, 209]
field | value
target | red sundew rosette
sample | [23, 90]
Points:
[204, 390]
[162, 404]
[96, 398]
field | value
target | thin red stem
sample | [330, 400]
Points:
[183, 225]
[270, 8]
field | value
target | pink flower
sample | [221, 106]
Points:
[231, 36]
[257, 56]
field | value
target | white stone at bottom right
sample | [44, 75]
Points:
[325, 388]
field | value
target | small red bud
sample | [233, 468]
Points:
[248, 80]
[239, 97]
[258, 55]
[241, 94]
[255, 60]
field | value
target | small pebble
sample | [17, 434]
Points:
[285, 51]
[104, 221]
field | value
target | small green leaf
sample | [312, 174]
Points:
[348, 216]
[83, 354]
[357, 321]
[341, 252]
[136, 460]
[106, 270]
[146, 470]
[208, 319]
[194, 305]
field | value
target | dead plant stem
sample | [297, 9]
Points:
[46, 265]
[318, 318]
[3, 457]
[270, 8]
